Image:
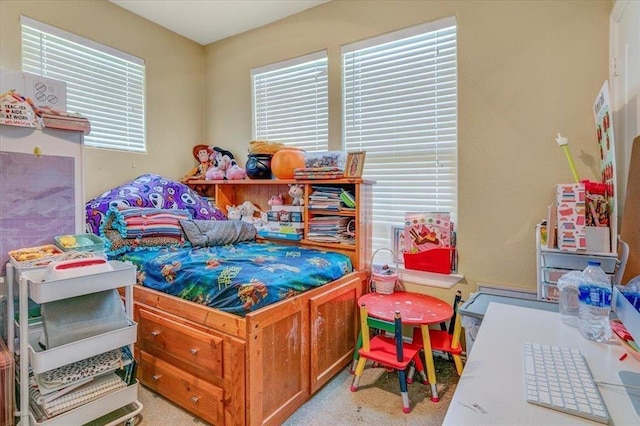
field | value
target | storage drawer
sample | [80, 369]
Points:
[553, 275]
[160, 337]
[550, 292]
[190, 392]
[577, 261]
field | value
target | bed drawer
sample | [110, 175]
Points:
[162, 337]
[190, 392]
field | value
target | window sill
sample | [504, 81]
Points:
[430, 279]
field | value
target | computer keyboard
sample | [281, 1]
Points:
[559, 378]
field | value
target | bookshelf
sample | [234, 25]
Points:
[259, 192]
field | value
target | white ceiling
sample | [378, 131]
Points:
[206, 21]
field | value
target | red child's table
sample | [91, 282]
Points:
[416, 309]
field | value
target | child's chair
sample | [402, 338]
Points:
[389, 352]
[447, 341]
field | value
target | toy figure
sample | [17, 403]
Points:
[202, 153]
[276, 200]
[214, 173]
[247, 210]
[236, 172]
[233, 213]
[296, 191]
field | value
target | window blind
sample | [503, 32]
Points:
[290, 101]
[400, 106]
[103, 84]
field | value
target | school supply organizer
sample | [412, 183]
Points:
[429, 242]
[437, 260]
[384, 280]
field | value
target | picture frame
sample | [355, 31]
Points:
[355, 164]
[397, 239]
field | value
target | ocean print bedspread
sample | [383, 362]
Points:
[237, 278]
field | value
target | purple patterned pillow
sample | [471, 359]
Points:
[150, 190]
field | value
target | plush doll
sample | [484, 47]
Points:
[214, 173]
[261, 222]
[233, 213]
[236, 172]
[202, 153]
[247, 211]
[276, 200]
[296, 191]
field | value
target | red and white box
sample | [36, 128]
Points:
[571, 215]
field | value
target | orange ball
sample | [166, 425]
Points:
[285, 161]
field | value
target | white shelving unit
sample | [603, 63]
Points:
[32, 286]
[552, 263]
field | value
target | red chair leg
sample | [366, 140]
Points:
[420, 368]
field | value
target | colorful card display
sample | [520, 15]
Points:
[426, 231]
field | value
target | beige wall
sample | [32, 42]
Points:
[174, 83]
[527, 70]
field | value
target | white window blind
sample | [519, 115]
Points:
[103, 84]
[290, 102]
[400, 107]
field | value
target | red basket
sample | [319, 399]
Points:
[435, 260]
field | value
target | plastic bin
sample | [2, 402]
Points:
[83, 242]
[473, 310]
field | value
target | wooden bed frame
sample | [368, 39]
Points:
[254, 370]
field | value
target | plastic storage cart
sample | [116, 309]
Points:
[122, 403]
[472, 311]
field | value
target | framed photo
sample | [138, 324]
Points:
[355, 164]
[398, 242]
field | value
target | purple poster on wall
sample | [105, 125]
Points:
[37, 200]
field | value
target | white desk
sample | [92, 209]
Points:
[493, 376]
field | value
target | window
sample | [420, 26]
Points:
[290, 102]
[400, 107]
[103, 84]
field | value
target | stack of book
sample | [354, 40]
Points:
[331, 198]
[330, 229]
[284, 222]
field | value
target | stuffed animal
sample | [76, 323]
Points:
[261, 222]
[276, 200]
[202, 153]
[222, 165]
[233, 213]
[236, 172]
[247, 211]
[214, 173]
[296, 191]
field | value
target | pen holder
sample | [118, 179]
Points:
[384, 280]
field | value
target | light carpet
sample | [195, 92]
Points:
[377, 401]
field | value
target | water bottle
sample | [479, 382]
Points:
[568, 301]
[594, 295]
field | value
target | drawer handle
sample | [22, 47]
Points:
[195, 398]
[155, 333]
[194, 351]
[156, 377]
